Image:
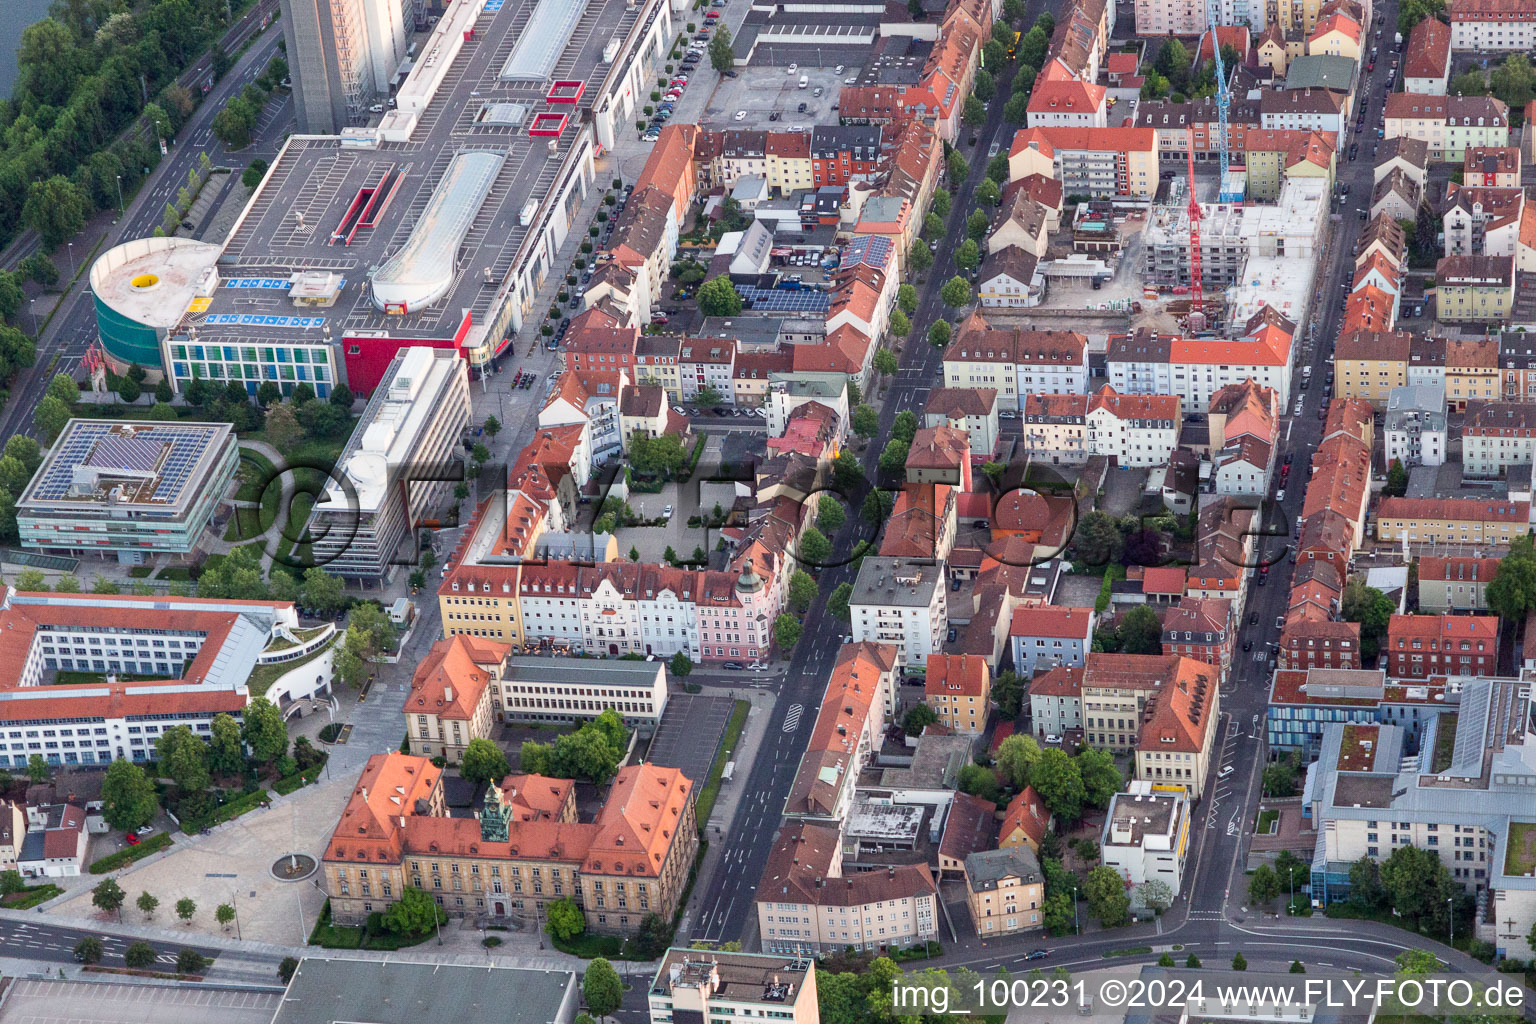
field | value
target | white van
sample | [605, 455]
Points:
[804, 81]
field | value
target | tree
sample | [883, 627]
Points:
[414, 913]
[968, 255]
[1469, 83]
[904, 426]
[1417, 885]
[88, 950]
[1017, 107]
[564, 919]
[1033, 45]
[997, 169]
[11, 882]
[876, 508]
[287, 969]
[837, 601]
[184, 758]
[483, 761]
[1291, 872]
[918, 716]
[900, 326]
[1373, 610]
[681, 665]
[1101, 779]
[938, 334]
[50, 417]
[1016, 755]
[186, 909]
[958, 166]
[1008, 694]
[139, 956]
[56, 209]
[108, 897]
[1097, 540]
[787, 631]
[128, 390]
[1172, 62]
[933, 227]
[189, 960]
[253, 173]
[1514, 81]
[994, 54]
[1059, 781]
[956, 292]
[1397, 480]
[720, 56]
[716, 297]
[128, 796]
[263, 730]
[847, 473]
[40, 269]
[906, 295]
[893, 459]
[163, 411]
[977, 225]
[987, 193]
[829, 512]
[282, 427]
[1157, 894]
[147, 904]
[601, 988]
[1107, 901]
[815, 549]
[1263, 886]
[1365, 889]
[1512, 591]
[492, 424]
[38, 770]
[919, 258]
[980, 781]
[1141, 632]
[802, 590]
[1238, 963]
[225, 754]
[224, 913]
[1280, 778]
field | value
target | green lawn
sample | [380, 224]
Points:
[711, 789]
[66, 677]
[1267, 819]
[334, 936]
[1445, 742]
[154, 844]
[1521, 856]
[140, 572]
[265, 675]
[174, 572]
[30, 897]
[588, 945]
[255, 470]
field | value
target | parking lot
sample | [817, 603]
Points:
[689, 734]
[761, 91]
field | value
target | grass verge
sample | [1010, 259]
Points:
[264, 676]
[1128, 951]
[328, 935]
[711, 789]
[112, 861]
[30, 897]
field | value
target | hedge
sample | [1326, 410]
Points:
[154, 844]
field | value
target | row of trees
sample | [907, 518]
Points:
[236, 122]
[83, 73]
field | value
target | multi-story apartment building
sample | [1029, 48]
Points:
[524, 851]
[1005, 891]
[1135, 429]
[1056, 701]
[1302, 703]
[859, 700]
[1425, 646]
[900, 602]
[1160, 708]
[806, 904]
[1471, 371]
[1232, 235]
[1170, 17]
[1482, 521]
[973, 410]
[1370, 364]
[1201, 628]
[413, 420]
[1474, 288]
[1492, 166]
[1100, 163]
[1449, 125]
[1482, 220]
[957, 687]
[1496, 436]
[693, 985]
[1195, 369]
[1309, 109]
[1415, 425]
[1427, 58]
[1146, 835]
[1455, 583]
[1496, 26]
[1047, 636]
[1014, 362]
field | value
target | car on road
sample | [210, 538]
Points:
[837, 70]
[741, 115]
[953, 633]
[666, 513]
[1247, 645]
[1280, 494]
[1253, 618]
[1228, 770]
[793, 68]
[145, 830]
[734, 666]
[1039, 954]
[131, 839]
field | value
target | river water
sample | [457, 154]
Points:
[15, 15]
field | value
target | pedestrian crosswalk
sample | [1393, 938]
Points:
[792, 718]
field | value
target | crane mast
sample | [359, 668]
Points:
[1196, 290]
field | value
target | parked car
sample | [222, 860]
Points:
[131, 839]
[734, 666]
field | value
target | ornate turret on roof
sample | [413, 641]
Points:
[749, 582]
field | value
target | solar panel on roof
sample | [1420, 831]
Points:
[172, 451]
[785, 301]
[130, 454]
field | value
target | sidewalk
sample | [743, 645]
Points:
[724, 811]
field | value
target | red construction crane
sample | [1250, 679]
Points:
[1196, 293]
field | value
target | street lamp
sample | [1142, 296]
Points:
[1075, 927]
[119, 195]
[71, 259]
[1450, 918]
